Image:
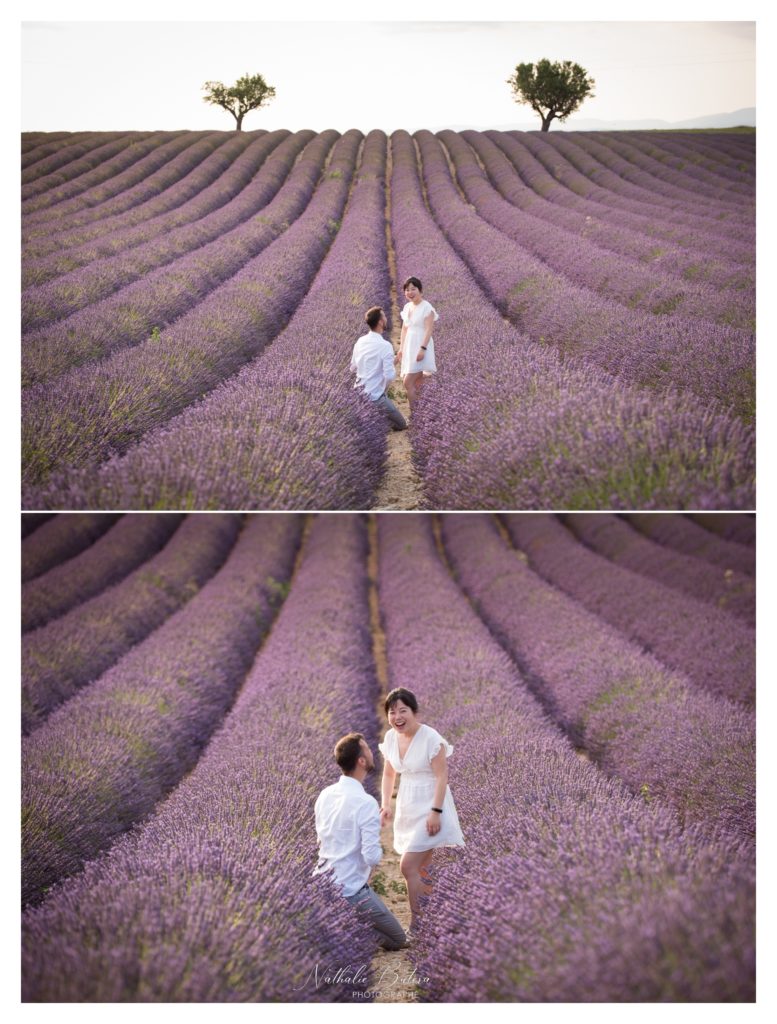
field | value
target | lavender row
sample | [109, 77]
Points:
[569, 889]
[712, 152]
[737, 528]
[629, 283]
[712, 649]
[153, 285]
[736, 149]
[638, 720]
[117, 193]
[682, 534]
[61, 538]
[117, 552]
[37, 145]
[620, 190]
[525, 183]
[103, 760]
[32, 520]
[697, 161]
[668, 225]
[87, 415]
[208, 187]
[508, 425]
[289, 431]
[212, 899]
[727, 589]
[641, 176]
[61, 657]
[76, 161]
[35, 149]
[688, 183]
[713, 361]
[170, 187]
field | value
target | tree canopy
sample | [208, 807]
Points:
[551, 89]
[248, 93]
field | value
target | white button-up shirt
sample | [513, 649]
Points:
[348, 827]
[373, 363]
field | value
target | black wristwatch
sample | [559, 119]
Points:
[438, 809]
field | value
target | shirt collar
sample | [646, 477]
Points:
[348, 780]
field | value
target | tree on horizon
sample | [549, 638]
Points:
[552, 90]
[248, 93]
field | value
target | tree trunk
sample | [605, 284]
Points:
[546, 119]
[239, 125]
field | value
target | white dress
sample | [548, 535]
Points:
[416, 793]
[413, 318]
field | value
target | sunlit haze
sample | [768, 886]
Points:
[433, 74]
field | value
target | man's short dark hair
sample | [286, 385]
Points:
[372, 316]
[348, 750]
[415, 281]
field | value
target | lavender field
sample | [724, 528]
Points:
[185, 678]
[190, 300]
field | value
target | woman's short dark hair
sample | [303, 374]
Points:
[400, 693]
[372, 316]
[348, 750]
[415, 281]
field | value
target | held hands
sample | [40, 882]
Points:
[386, 814]
[433, 823]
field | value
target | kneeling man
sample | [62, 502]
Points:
[373, 363]
[348, 827]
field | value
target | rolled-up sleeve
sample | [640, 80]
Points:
[369, 821]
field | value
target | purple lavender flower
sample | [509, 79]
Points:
[211, 899]
[103, 760]
[569, 888]
[67, 653]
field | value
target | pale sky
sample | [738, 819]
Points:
[144, 75]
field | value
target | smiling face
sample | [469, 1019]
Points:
[402, 718]
[413, 294]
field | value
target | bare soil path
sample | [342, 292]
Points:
[400, 489]
[392, 971]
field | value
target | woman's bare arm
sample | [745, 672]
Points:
[401, 341]
[386, 792]
[428, 327]
[439, 765]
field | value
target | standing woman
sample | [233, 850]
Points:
[416, 345]
[425, 815]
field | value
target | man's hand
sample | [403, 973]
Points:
[433, 823]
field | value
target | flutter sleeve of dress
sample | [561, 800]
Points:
[434, 742]
[404, 313]
[389, 750]
[431, 309]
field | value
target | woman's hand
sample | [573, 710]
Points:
[420, 357]
[386, 814]
[433, 823]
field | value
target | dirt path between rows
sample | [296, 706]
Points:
[392, 972]
[400, 489]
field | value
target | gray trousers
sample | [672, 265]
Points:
[386, 406]
[370, 906]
